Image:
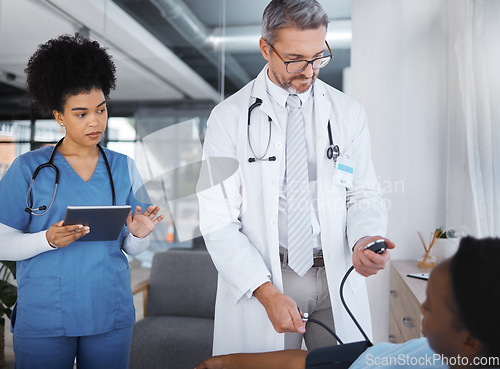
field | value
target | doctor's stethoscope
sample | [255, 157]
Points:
[29, 209]
[332, 152]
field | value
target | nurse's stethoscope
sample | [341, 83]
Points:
[332, 152]
[44, 209]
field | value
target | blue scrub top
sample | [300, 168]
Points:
[84, 288]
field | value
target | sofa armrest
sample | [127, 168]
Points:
[142, 287]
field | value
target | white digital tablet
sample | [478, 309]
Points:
[105, 222]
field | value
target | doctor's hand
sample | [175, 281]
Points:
[281, 309]
[366, 262]
[142, 224]
[59, 235]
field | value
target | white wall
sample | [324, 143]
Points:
[491, 33]
[399, 73]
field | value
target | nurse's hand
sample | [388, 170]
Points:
[280, 308]
[59, 235]
[142, 224]
[366, 262]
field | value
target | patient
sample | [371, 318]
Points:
[461, 322]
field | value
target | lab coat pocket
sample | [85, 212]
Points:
[39, 310]
[124, 303]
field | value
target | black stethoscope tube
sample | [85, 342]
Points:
[50, 164]
[255, 157]
[332, 152]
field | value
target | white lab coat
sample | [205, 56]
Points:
[239, 219]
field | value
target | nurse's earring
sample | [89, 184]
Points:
[62, 129]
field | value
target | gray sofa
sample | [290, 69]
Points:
[177, 330]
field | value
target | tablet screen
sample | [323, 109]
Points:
[105, 222]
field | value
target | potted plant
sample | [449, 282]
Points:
[447, 244]
[427, 260]
[8, 297]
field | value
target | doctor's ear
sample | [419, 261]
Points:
[264, 48]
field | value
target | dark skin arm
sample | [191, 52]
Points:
[285, 359]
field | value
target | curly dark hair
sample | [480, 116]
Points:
[65, 66]
[475, 285]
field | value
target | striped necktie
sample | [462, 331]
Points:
[300, 254]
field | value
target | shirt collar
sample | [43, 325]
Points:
[280, 95]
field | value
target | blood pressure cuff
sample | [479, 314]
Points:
[336, 357]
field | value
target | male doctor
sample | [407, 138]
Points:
[283, 216]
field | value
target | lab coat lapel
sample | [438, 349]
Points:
[259, 90]
[322, 113]
[270, 171]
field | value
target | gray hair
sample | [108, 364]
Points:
[302, 14]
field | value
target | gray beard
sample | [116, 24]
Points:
[287, 86]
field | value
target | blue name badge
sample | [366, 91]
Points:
[345, 171]
[346, 168]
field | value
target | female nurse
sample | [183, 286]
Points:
[74, 298]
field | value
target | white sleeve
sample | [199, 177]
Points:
[366, 210]
[237, 260]
[134, 246]
[17, 245]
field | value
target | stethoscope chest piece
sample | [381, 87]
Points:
[333, 152]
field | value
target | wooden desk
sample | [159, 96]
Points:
[407, 294]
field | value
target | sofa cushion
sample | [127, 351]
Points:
[182, 283]
[171, 342]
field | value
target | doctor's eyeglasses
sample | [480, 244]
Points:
[297, 66]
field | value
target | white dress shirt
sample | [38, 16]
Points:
[279, 96]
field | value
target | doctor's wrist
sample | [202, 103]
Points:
[265, 292]
[360, 243]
